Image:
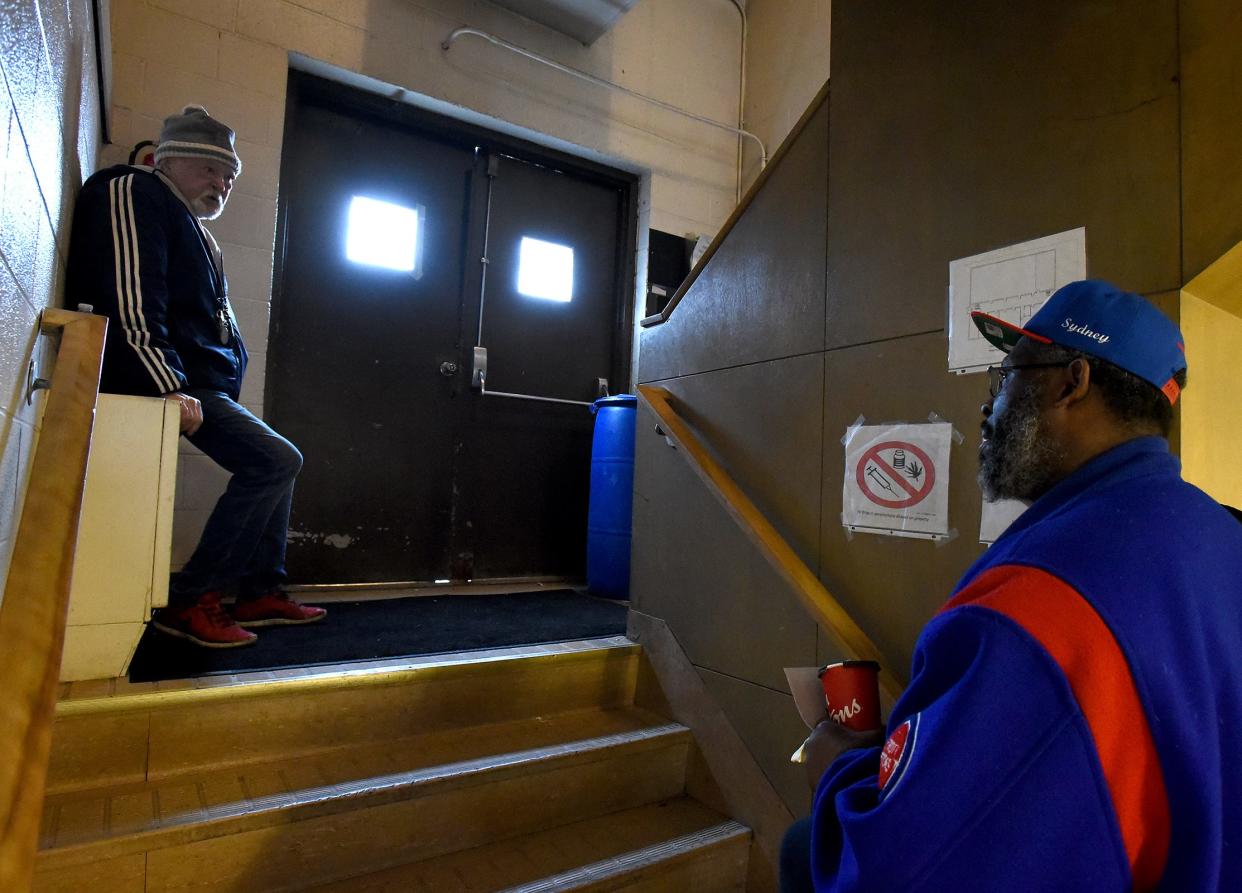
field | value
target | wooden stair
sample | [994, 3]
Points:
[525, 769]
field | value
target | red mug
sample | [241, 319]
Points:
[852, 690]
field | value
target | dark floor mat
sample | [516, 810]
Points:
[391, 628]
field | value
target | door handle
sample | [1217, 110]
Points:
[448, 368]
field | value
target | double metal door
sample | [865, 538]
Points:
[420, 466]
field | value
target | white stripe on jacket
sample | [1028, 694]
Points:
[129, 284]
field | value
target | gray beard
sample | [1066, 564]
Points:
[1019, 460]
[203, 211]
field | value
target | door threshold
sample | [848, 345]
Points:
[322, 593]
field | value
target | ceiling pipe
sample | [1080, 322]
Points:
[600, 82]
[741, 94]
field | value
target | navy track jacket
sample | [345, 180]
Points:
[1074, 717]
[140, 257]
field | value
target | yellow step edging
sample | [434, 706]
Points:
[410, 670]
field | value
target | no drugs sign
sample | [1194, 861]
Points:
[896, 474]
[896, 479]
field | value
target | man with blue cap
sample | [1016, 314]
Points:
[1075, 708]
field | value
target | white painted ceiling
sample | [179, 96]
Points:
[583, 20]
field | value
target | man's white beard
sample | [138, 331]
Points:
[206, 210]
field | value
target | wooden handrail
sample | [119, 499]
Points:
[36, 598]
[818, 602]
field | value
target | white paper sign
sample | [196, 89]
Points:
[1010, 283]
[897, 479]
[996, 518]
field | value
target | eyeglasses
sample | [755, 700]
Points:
[997, 375]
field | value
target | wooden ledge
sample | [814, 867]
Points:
[54, 318]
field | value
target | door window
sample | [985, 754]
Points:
[384, 234]
[545, 270]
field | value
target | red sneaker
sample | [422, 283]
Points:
[275, 608]
[204, 623]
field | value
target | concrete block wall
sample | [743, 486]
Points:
[232, 56]
[787, 61]
[49, 139]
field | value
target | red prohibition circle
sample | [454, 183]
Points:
[915, 496]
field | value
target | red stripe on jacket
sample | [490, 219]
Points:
[1072, 632]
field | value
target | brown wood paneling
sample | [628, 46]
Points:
[722, 772]
[965, 127]
[955, 130]
[768, 722]
[761, 422]
[693, 567]
[1211, 86]
[893, 585]
[761, 296]
[794, 573]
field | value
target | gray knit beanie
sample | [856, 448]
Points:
[196, 134]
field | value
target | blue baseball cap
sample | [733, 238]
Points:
[1099, 319]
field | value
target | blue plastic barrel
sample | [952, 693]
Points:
[612, 496]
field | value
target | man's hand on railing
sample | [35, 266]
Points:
[191, 411]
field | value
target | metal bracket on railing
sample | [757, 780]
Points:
[49, 328]
[34, 383]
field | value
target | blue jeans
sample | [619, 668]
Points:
[243, 544]
[796, 858]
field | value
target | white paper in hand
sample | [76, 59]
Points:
[808, 698]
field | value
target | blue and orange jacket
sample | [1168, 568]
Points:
[1074, 718]
[140, 257]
